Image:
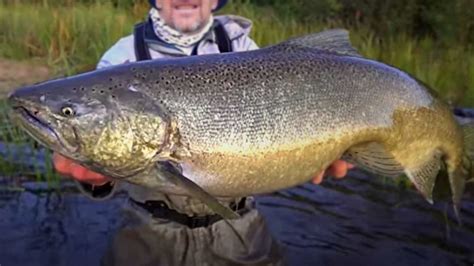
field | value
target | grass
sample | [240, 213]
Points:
[72, 37]
[69, 39]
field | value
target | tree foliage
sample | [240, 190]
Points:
[445, 21]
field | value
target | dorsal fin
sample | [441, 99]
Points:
[333, 41]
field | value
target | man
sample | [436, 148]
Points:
[177, 229]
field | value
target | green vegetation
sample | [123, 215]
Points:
[427, 39]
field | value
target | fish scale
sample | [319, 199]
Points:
[253, 107]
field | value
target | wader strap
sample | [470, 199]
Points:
[141, 49]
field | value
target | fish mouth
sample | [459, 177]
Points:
[37, 128]
[32, 118]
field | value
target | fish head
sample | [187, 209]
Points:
[100, 119]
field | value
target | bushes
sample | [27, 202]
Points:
[444, 21]
[69, 3]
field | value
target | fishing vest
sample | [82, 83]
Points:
[145, 29]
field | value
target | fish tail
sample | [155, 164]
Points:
[465, 172]
[468, 163]
[457, 182]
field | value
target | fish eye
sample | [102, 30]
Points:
[67, 111]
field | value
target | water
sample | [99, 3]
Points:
[359, 220]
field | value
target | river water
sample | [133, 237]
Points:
[360, 220]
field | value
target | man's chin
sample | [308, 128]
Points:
[189, 28]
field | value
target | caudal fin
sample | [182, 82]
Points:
[464, 174]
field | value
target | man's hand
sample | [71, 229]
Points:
[68, 167]
[338, 169]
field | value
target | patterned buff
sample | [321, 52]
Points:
[172, 36]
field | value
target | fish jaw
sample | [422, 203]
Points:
[31, 118]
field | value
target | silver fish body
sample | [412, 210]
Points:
[253, 122]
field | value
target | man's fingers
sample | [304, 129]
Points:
[319, 178]
[68, 167]
[339, 169]
[61, 164]
[78, 172]
[95, 176]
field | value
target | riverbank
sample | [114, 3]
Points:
[15, 73]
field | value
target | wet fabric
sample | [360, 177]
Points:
[149, 241]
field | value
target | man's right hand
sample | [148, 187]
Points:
[68, 167]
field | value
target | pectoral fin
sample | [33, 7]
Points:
[173, 175]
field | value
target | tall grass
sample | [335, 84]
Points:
[71, 37]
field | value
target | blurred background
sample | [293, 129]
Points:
[381, 221]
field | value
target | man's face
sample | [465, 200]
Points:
[186, 16]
